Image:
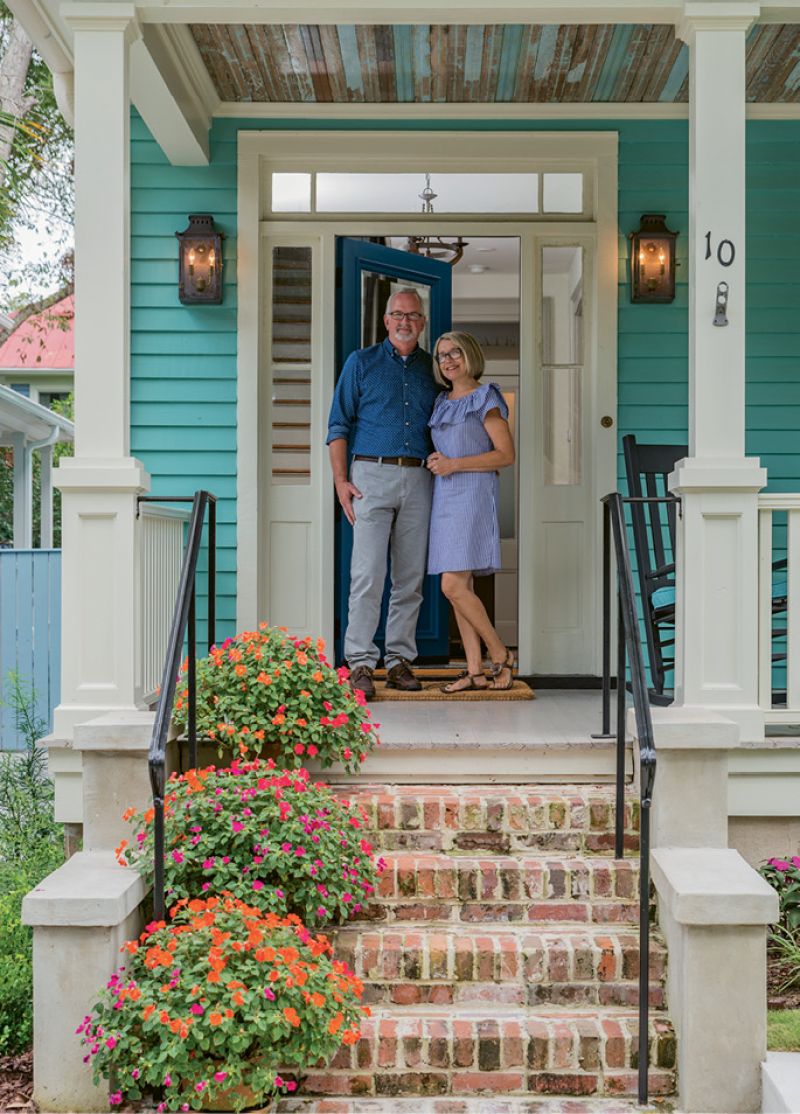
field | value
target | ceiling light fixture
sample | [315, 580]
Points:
[434, 247]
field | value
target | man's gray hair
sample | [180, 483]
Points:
[405, 290]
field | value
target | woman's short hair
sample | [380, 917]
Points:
[472, 354]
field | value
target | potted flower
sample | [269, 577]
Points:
[266, 687]
[217, 1005]
[270, 837]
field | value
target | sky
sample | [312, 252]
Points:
[21, 268]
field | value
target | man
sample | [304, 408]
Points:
[381, 407]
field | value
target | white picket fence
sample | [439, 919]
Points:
[779, 681]
[161, 543]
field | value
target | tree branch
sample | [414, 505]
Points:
[39, 306]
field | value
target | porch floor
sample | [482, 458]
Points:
[546, 739]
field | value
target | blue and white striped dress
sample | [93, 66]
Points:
[464, 533]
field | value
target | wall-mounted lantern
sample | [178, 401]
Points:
[653, 260]
[200, 262]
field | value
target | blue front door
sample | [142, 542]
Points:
[367, 275]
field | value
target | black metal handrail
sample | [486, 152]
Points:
[184, 626]
[629, 653]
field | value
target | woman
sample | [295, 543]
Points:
[472, 440]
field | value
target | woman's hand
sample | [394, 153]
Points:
[441, 465]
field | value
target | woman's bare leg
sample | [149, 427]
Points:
[457, 586]
[472, 646]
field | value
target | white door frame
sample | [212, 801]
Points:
[259, 154]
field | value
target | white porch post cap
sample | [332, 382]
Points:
[84, 16]
[91, 889]
[712, 885]
[716, 15]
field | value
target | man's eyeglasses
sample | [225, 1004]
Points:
[396, 315]
[450, 354]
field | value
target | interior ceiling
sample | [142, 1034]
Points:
[494, 254]
[479, 64]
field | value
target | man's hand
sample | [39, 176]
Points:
[346, 493]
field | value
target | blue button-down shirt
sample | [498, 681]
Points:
[382, 404]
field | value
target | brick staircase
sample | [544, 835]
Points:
[500, 958]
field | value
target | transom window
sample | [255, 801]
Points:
[535, 194]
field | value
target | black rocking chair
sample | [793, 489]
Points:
[647, 468]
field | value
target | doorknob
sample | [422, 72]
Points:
[606, 422]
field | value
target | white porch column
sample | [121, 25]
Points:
[23, 492]
[100, 483]
[717, 561]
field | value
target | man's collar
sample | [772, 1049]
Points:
[392, 351]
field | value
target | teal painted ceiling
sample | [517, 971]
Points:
[477, 64]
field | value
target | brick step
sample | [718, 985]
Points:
[440, 887]
[519, 1105]
[501, 819]
[464, 1052]
[517, 965]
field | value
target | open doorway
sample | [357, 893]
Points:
[485, 302]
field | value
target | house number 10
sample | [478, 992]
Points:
[726, 252]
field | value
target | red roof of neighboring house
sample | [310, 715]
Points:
[45, 340]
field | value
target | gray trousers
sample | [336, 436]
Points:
[392, 517]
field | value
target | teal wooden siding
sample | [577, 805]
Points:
[183, 410]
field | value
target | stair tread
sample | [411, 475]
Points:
[484, 1104]
[407, 1017]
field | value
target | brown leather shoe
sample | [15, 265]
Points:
[361, 680]
[401, 677]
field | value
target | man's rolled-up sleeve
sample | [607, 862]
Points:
[344, 407]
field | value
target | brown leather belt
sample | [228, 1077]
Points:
[402, 461]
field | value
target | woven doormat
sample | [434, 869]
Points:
[431, 690]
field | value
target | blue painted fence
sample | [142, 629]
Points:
[30, 632]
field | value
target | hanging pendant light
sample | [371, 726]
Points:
[435, 247]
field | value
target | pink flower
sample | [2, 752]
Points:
[278, 1081]
[237, 825]
[780, 864]
[208, 864]
[135, 1073]
[258, 884]
[291, 1085]
[220, 1075]
[111, 1043]
[115, 1099]
[196, 1008]
[201, 1086]
[346, 898]
[167, 1080]
[269, 994]
[312, 750]
[322, 911]
[177, 856]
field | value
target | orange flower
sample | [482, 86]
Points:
[147, 1012]
[302, 658]
[317, 676]
[238, 998]
[291, 1015]
[264, 678]
[128, 813]
[241, 670]
[335, 1024]
[278, 720]
[215, 1018]
[317, 1000]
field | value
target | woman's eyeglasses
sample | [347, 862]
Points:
[396, 315]
[450, 354]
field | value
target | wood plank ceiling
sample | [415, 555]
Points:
[477, 64]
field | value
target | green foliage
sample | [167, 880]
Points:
[270, 837]
[784, 877]
[36, 181]
[783, 1030]
[265, 687]
[217, 1000]
[31, 847]
[60, 451]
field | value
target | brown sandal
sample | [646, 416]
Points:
[471, 687]
[499, 667]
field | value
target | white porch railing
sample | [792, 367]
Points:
[161, 542]
[778, 652]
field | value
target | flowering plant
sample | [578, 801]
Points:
[217, 1000]
[784, 877]
[266, 686]
[268, 836]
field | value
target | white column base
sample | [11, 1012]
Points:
[100, 605]
[716, 637]
[690, 798]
